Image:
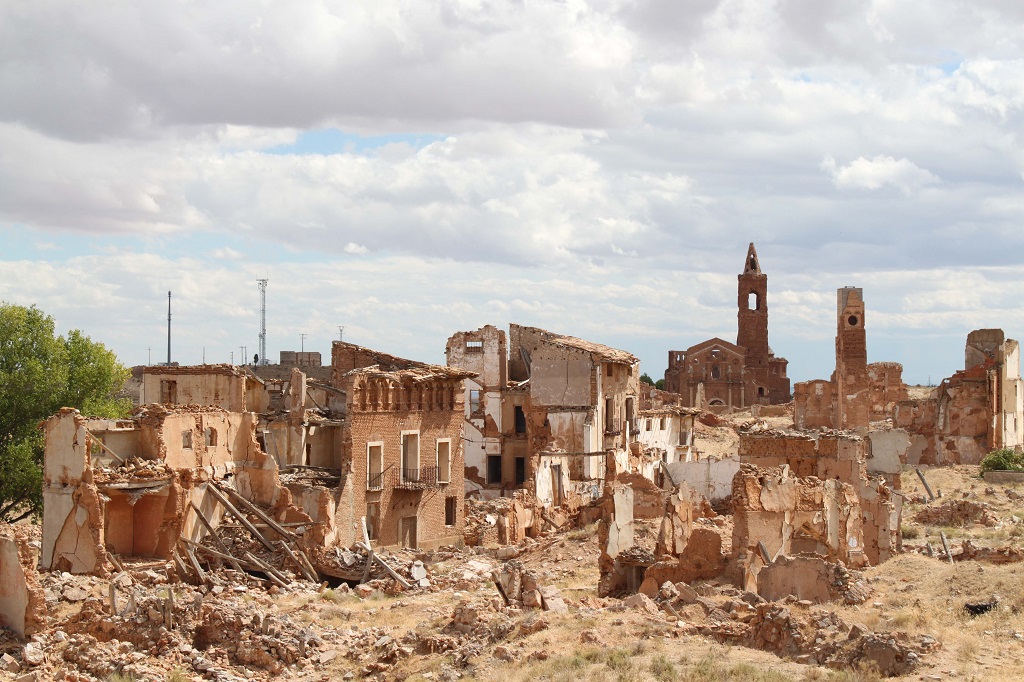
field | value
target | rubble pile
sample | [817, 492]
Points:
[499, 521]
[519, 588]
[958, 513]
[789, 628]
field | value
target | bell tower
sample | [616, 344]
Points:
[753, 312]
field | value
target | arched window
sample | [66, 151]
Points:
[716, 373]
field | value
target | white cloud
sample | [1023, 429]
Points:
[875, 173]
[600, 165]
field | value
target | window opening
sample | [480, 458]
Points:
[444, 461]
[494, 469]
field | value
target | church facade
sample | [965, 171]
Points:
[722, 374]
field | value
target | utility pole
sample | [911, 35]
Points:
[168, 329]
[244, 356]
[232, 357]
[149, 349]
[263, 321]
[302, 342]
[341, 332]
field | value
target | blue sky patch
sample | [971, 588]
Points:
[326, 141]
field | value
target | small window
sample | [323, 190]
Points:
[716, 372]
[608, 369]
[444, 461]
[852, 320]
[661, 424]
[474, 346]
[493, 469]
[451, 510]
[520, 416]
[760, 391]
[520, 470]
[186, 439]
[648, 424]
[474, 400]
[211, 437]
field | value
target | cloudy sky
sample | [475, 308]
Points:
[408, 169]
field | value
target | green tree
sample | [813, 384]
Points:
[41, 372]
[660, 384]
[646, 378]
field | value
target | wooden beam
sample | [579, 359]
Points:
[267, 569]
[928, 489]
[213, 534]
[402, 581]
[945, 546]
[96, 439]
[369, 553]
[298, 562]
[239, 515]
[263, 516]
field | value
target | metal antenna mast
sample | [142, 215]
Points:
[263, 321]
[168, 329]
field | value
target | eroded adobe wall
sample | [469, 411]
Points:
[72, 522]
[772, 449]
[792, 515]
[886, 388]
[813, 404]
[22, 601]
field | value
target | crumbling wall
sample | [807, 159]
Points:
[772, 449]
[614, 537]
[886, 388]
[810, 578]
[22, 601]
[813, 404]
[711, 478]
[72, 524]
[775, 513]
[221, 386]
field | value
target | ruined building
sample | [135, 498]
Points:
[977, 410]
[382, 441]
[550, 413]
[858, 392]
[734, 375]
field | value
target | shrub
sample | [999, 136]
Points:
[910, 532]
[1003, 460]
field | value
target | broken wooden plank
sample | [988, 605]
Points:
[298, 562]
[96, 439]
[112, 558]
[945, 546]
[263, 516]
[402, 581]
[369, 553]
[193, 562]
[213, 534]
[309, 564]
[928, 489]
[222, 498]
[180, 566]
[273, 575]
[242, 565]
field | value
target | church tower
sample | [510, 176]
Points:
[753, 313]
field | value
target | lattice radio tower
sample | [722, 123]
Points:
[263, 321]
